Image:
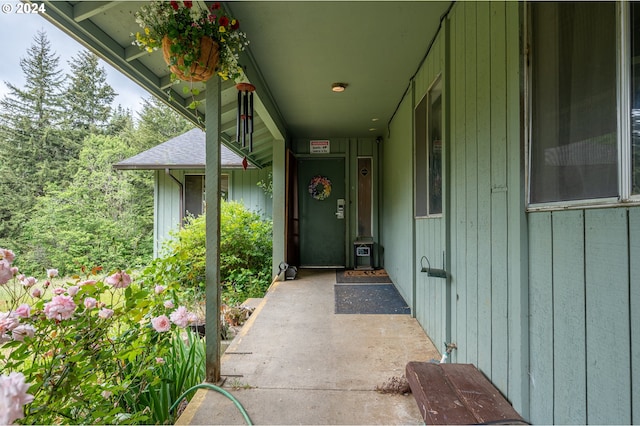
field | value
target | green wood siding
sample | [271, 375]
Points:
[584, 292]
[483, 229]
[243, 187]
[396, 204]
[634, 308]
[488, 242]
[431, 305]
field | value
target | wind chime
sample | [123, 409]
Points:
[244, 124]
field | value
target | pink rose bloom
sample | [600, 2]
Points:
[159, 289]
[47, 283]
[161, 323]
[59, 291]
[23, 311]
[14, 270]
[168, 304]
[119, 280]
[36, 292]
[21, 277]
[8, 321]
[87, 282]
[29, 281]
[180, 317]
[73, 290]
[22, 331]
[5, 271]
[4, 338]
[105, 313]
[13, 397]
[60, 308]
[7, 255]
[90, 303]
[52, 273]
[160, 360]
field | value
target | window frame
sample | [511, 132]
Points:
[623, 119]
[425, 173]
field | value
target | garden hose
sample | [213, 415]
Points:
[219, 390]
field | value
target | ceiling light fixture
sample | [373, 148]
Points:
[338, 87]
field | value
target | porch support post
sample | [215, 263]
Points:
[278, 172]
[212, 275]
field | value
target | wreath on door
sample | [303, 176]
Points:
[320, 187]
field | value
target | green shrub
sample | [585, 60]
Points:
[245, 255]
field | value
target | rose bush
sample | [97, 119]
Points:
[89, 351]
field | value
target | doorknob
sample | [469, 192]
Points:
[340, 209]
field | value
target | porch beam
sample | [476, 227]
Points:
[212, 219]
[85, 10]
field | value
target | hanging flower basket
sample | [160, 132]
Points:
[201, 69]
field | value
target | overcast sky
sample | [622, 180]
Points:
[16, 36]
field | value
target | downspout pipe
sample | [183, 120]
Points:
[168, 173]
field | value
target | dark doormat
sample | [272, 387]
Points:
[353, 276]
[369, 299]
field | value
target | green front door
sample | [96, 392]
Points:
[323, 213]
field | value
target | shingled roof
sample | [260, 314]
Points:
[186, 151]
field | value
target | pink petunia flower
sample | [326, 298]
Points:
[13, 397]
[60, 308]
[105, 313]
[180, 317]
[161, 323]
[119, 280]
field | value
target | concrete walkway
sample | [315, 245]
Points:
[297, 362]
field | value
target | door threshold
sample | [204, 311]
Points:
[321, 267]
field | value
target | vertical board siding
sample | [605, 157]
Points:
[458, 172]
[471, 184]
[488, 288]
[499, 251]
[396, 230]
[568, 302]
[634, 309]
[484, 181]
[584, 298]
[607, 297]
[541, 322]
[243, 187]
[430, 232]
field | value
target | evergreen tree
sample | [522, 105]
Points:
[159, 123]
[121, 122]
[89, 96]
[97, 220]
[33, 149]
